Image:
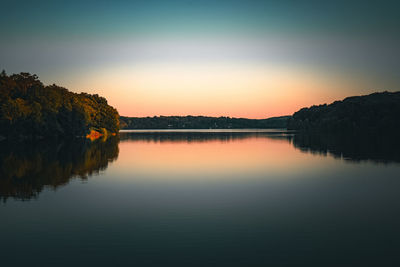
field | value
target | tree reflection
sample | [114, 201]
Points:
[199, 136]
[377, 148]
[27, 168]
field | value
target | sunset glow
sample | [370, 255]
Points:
[213, 90]
[252, 59]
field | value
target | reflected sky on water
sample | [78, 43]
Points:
[204, 198]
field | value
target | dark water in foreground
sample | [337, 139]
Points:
[263, 198]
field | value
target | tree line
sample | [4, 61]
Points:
[200, 122]
[377, 113]
[30, 109]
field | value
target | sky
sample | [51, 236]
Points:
[248, 58]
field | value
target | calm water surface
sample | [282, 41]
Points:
[201, 198]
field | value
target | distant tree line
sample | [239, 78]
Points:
[200, 122]
[30, 109]
[377, 113]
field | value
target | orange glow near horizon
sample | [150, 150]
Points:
[211, 90]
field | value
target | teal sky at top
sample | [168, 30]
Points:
[100, 19]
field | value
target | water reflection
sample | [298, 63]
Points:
[26, 168]
[350, 147]
[205, 155]
[200, 199]
[202, 135]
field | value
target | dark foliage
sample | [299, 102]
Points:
[30, 109]
[200, 122]
[377, 113]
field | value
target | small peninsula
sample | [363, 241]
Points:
[29, 109]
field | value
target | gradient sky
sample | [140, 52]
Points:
[244, 58]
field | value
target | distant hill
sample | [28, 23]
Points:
[200, 122]
[377, 113]
[30, 109]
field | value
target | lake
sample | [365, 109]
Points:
[201, 198]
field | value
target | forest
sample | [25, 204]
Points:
[29, 109]
[377, 113]
[200, 122]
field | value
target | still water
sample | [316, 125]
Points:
[201, 198]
